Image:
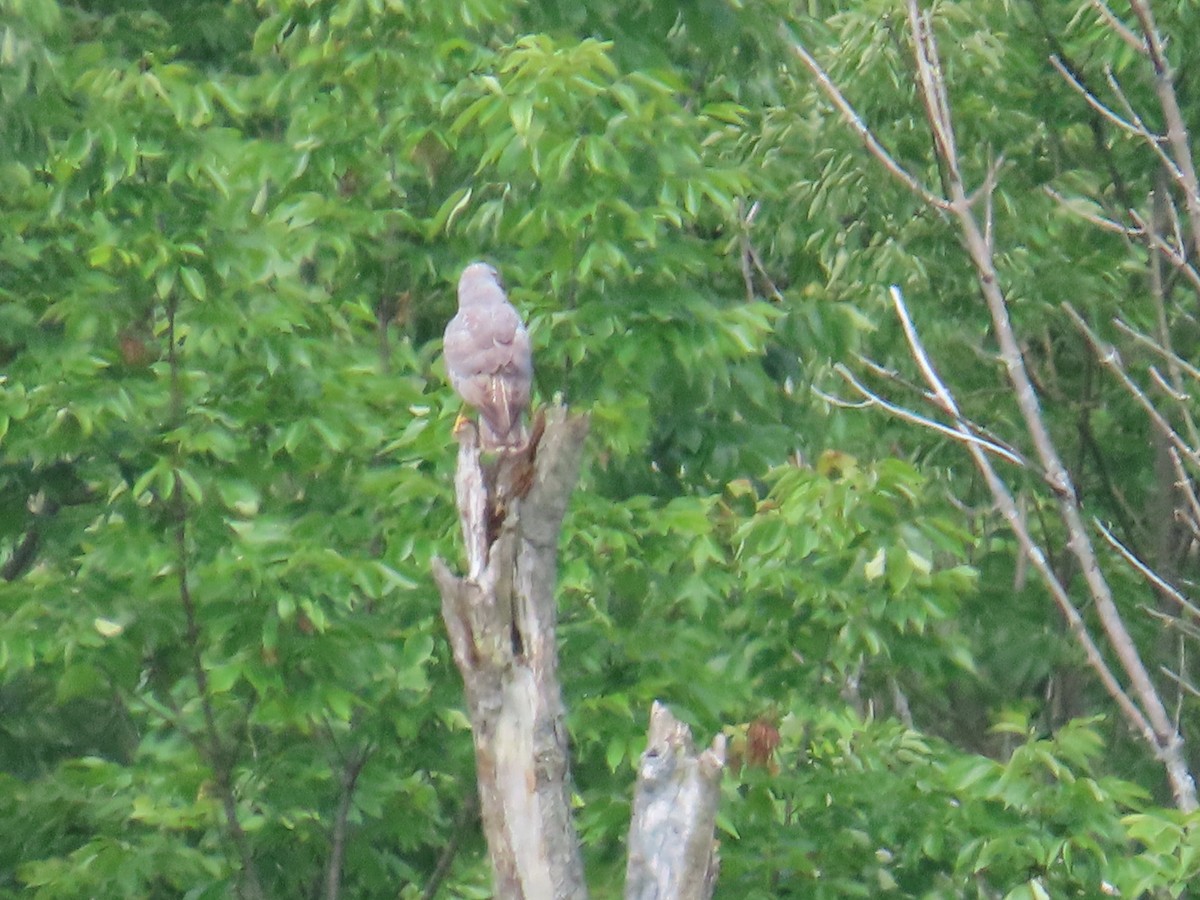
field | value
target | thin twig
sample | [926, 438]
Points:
[1183, 683]
[1184, 483]
[1139, 231]
[1032, 551]
[979, 431]
[1151, 344]
[1173, 253]
[1119, 28]
[1150, 709]
[1149, 574]
[959, 433]
[1137, 128]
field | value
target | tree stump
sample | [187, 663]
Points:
[501, 618]
[672, 853]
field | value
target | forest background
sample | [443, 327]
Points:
[885, 319]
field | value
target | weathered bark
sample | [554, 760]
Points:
[501, 618]
[672, 852]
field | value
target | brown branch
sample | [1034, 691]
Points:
[211, 747]
[351, 769]
[468, 814]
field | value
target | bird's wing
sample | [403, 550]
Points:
[485, 341]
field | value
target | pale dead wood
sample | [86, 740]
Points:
[501, 619]
[672, 852]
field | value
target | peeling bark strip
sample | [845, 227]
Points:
[672, 852]
[501, 619]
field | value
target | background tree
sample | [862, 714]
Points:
[230, 235]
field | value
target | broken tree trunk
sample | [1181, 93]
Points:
[501, 619]
[672, 852]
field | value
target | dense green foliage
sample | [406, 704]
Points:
[228, 237]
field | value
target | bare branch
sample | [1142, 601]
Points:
[1032, 551]
[1185, 484]
[1183, 170]
[1161, 734]
[959, 433]
[987, 438]
[841, 403]
[1155, 347]
[1120, 28]
[749, 256]
[1139, 231]
[1173, 622]
[1166, 387]
[1179, 680]
[1108, 357]
[1149, 574]
[1136, 128]
[1143, 706]
[1173, 252]
[1131, 112]
[857, 125]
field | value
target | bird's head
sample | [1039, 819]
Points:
[477, 283]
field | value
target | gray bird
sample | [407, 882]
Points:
[488, 358]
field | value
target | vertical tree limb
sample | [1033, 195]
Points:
[1177, 133]
[351, 769]
[501, 618]
[211, 747]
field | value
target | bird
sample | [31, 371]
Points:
[488, 357]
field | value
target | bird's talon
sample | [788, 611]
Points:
[461, 424]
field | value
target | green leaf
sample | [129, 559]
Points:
[193, 282]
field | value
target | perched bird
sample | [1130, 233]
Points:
[488, 358]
